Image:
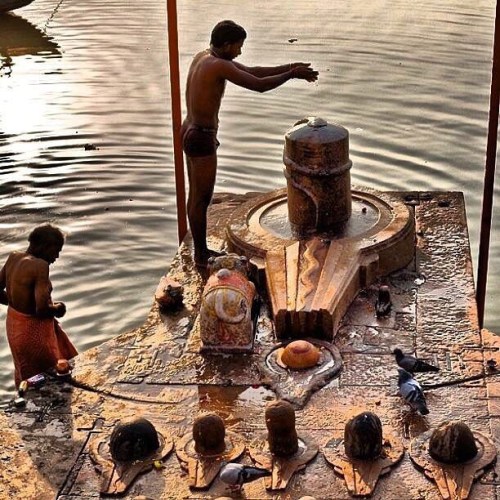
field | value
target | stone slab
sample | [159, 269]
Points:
[157, 372]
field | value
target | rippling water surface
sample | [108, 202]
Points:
[85, 139]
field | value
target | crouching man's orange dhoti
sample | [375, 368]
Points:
[36, 343]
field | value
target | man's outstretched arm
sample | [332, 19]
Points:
[228, 70]
[263, 71]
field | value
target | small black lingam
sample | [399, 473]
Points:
[133, 448]
[133, 439]
[281, 452]
[369, 452]
[363, 436]
[282, 435]
[452, 443]
[209, 434]
[203, 451]
[453, 456]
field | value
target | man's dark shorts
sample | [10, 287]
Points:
[199, 141]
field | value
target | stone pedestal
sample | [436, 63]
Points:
[312, 282]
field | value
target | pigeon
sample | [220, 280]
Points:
[411, 392]
[236, 475]
[412, 364]
[383, 303]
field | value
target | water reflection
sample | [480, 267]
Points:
[18, 37]
[233, 403]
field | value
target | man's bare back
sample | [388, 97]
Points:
[26, 275]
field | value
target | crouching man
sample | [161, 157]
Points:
[35, 337]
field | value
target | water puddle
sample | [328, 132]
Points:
[364, 216]
[235, 404]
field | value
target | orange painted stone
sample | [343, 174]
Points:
[300, 354]
[226, 322]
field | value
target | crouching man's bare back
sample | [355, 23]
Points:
[206, 81]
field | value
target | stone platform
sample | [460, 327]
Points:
[157, 372]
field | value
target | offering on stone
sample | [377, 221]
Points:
[300, 354]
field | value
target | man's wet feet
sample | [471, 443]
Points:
[201, 261]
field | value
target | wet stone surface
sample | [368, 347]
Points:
[158, 373]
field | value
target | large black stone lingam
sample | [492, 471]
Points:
[318, 241]
[317, 168]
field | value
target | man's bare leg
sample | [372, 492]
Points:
[201, 174]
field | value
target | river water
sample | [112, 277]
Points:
[85, 138]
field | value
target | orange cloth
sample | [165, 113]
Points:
[36, 343]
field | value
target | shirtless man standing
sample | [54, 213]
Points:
[206, 82]
[35, 338]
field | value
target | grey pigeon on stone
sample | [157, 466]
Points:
[236, 475]
[412, 364]
[411, 392]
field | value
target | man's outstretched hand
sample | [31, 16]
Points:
[303, 71]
